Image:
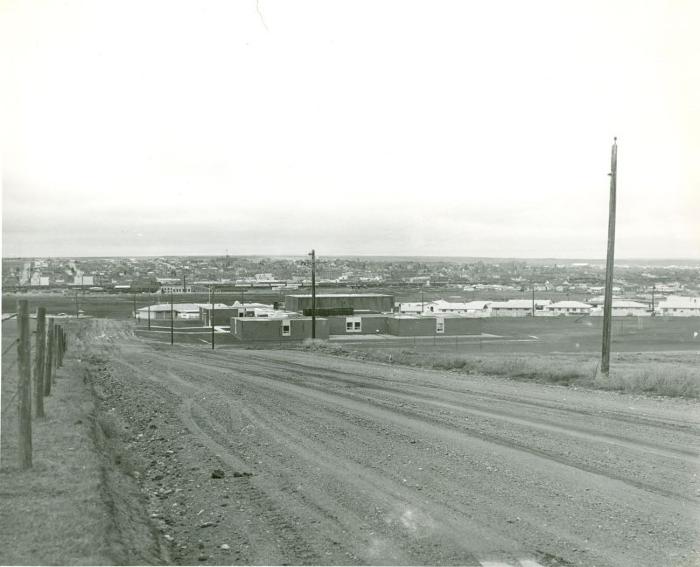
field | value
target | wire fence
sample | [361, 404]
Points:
[13, 343]
[8, 405]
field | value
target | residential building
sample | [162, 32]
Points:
[680, 306]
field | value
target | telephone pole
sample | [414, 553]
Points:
[607, 306]
[211, 317]
[533, 300]
[313, 293]
[172, 334]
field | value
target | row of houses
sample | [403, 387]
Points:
[675, 306]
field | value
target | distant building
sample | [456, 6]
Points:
[161, 311]
[82, 280]
[568, 308]
[517, 307]
[175, 289]
[470, 308]
[623, 308]
[277, 330]
[680, 306]
[367, 302]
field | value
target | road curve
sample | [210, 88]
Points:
[365, 463]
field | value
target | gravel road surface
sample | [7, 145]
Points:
[294, 457]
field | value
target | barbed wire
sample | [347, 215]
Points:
[8, 368]
[8, 404]
[10, 317]
[13, 343]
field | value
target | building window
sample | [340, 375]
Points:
[353, 324]
[439, 325]
[286, 328]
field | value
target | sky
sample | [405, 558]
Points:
[463, 128]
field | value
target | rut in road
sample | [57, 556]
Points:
[397, 471]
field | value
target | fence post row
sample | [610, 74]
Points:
[24, 387]
[48, 366]
[59, 354]
[39, 361]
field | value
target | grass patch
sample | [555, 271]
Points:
[54, 513]
[673, 374]
[675, 380]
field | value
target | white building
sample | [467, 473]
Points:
[518, 307]
[411, 307]
[624, 308]
[470, 308]
[568, 308]
[680, 306]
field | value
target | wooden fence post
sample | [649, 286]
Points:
[48, 365]
[59, 354]
[24, 387]
[39, 357]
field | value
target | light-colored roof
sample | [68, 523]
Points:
[342, 295]
[519, 303]
[179, 307]
[463, 306]
[680, 302]
[568, 305]
[627, 304]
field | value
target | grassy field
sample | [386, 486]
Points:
[674, 374]
[53, 513]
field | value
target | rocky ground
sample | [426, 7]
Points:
[289, 457]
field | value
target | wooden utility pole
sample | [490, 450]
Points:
[24, 387]
[533, 300]
[77, 307]
[313, 293]
[39, 354]
[653, 293]
[211, 316]
[48, 365]
[172, 333]
[607, 306]
[133, 297]
[149, 313]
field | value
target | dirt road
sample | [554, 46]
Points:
[322, 460]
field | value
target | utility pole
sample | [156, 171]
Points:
[184, 283]
[172, 336]
[150, 299]
[211, 316]
[607, 306]
[422, 303]
[77, 307]
[653, 293]
[313, 293]
[133, 297]
[533, 300]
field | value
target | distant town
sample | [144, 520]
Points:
[447, 280]
[193, 274]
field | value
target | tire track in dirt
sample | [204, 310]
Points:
[296, 416]
[273, 375]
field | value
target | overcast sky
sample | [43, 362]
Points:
[392, 128]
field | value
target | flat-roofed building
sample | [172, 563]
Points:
[367, 302]
[680, 306]
[568, 308]
[518, 307]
